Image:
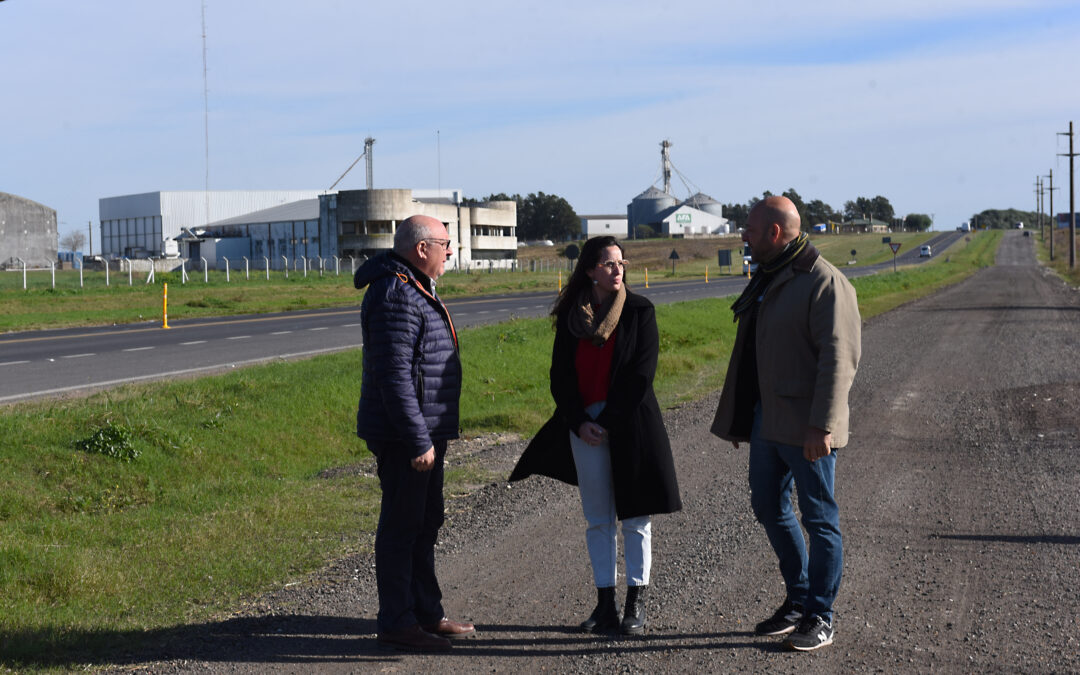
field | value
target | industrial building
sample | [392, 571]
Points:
[146, 225]
[612, 225]
[27, 233]
[353, 223]
[699, 215]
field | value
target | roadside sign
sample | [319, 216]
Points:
[895, 247]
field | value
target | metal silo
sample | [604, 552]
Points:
[646, 207]
[704, 202]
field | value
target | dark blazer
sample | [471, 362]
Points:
[411, 383]
[641, 462]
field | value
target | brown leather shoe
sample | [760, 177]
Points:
[450, 629]
[413, 639]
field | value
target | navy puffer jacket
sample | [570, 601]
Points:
[412, 374]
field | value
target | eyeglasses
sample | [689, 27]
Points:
[612, 264]
[445, 243]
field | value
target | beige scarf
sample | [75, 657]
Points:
[597, 325]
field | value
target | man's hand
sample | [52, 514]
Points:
[426, 461]
[592, 433]
[817, 444]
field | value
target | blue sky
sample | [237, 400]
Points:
[946, 107]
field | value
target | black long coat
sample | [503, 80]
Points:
[641, 463]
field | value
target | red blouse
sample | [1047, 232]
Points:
[593, 365]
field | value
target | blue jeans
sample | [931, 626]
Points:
[812, 580]
[596, 486]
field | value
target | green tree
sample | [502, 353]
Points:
[1004, 219]
[919, 222]
[543, 216]
[818, 211]
[737, 215]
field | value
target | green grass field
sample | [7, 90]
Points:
[148, 507]
[90, 302]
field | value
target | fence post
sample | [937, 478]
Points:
[82, 263]
[106, 271]
[52, 268]
[226, 268]
[247, 269]
[286, 262]
[266, 261]
[304, 258]
[205, 270]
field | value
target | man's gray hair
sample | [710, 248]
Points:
[409, 233]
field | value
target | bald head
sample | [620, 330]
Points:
[415, 229]
[424, 242]
[773, 223]
[782, 212]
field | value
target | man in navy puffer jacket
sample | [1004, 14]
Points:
[408, 411]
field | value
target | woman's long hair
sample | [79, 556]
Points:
[579, 281]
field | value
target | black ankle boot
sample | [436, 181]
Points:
[605, 617]
[633, 622]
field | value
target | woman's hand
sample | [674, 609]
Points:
[592, 433]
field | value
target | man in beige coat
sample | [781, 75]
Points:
[786, 392]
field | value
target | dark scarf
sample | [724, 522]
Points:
[766, 272]
[597, 325]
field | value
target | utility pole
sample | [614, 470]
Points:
[1072, 197]
[90, 231]
[1053, 218]
[1038, 202]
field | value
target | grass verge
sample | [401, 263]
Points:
[150, 507]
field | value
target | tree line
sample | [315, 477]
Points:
[816, 211]
[548, 216]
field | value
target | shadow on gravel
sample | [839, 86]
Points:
[267, 639]
[1013, 538]
[311, 640]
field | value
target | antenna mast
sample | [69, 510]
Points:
[206, 117]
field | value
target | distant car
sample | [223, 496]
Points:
[748, 265]
[925, 252]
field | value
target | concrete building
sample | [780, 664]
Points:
[358, 224]
[139, 225]
[27, 232]
[482, 235]
[604, 225]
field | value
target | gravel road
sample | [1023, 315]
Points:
[959, 502]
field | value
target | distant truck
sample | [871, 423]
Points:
[821, 227]
[965, 226]
[1019, 226]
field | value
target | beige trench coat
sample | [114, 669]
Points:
[808, 346]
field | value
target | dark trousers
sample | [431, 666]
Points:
[409, 522]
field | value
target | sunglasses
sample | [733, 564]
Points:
[612, 264]
[445, 243]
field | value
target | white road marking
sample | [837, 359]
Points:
[193, 342]
[76, 356]
[12, 363]
[136, 349]
[238, 337]
[281, 332]
[351, 325]
[319, 328]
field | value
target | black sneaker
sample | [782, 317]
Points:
[783, 622]
[813, 632]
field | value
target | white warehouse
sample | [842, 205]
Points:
[139, 225]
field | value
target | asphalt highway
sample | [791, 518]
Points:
[74, 361]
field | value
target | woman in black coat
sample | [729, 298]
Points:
[607, 435]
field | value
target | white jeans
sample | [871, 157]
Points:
[595, 484]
